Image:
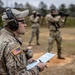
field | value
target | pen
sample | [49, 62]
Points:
[42, 62]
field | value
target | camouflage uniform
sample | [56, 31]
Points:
[2, 30]
[54, 23]
[35, 28]
[13, 59]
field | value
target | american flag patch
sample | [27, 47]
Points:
[16, 51]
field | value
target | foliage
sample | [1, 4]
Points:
[1, 23]
[70, 22]
[63, 8]
[42, 9]
[71, 9]
[1, 3]
[52, 6]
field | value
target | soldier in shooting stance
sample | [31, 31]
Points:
[55, 22]
[34, 19]
[13, 57]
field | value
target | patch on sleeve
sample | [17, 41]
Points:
[16, 51]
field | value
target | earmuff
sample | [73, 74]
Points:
[13, 23]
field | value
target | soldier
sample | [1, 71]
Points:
[35, 27]
[54, 21]
[13, 57]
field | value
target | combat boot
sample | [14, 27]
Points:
[59, 55]
[38, 43]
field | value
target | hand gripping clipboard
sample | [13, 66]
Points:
[44, 58]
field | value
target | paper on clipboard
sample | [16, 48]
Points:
[44, 58]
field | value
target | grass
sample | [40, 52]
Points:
[69, 23]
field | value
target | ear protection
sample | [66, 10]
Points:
[13, 23]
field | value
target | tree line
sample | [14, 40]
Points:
[42, 8]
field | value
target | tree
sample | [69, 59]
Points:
[30, 7]
[63, 8]
[72, 9]
[21, 5]
[1, 3]
[42, 8]
[15, 5]
[52, 7]
[1, 8]
[42, 11]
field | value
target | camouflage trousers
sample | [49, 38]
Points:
[54, 36]
[35, 32]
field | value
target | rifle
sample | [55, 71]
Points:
[64, 15]
[42, 19]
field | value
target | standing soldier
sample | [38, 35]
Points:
[35, 27]
[54, 23]
[13, 57]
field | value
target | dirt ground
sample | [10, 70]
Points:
[55, 66]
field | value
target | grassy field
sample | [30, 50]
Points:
[55, 66]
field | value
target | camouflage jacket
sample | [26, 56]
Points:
[34, 21]
[54, 23]
[13, 60]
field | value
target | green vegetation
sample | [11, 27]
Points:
[69, 23]
[1, 23]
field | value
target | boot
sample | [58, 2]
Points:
[59, 55]
[38, 43]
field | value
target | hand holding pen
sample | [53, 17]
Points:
[43, 62]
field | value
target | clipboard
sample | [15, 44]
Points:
[44, 58]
